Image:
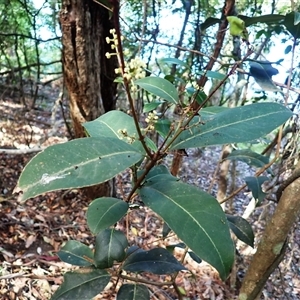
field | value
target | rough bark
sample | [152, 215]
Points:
[272, 246]
[88, 74]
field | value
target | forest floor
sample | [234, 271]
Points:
[31, 233]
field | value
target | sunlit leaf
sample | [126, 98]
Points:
[234, 125]
[114, 124]
[78, 163]
[209, 112]
[159, 87]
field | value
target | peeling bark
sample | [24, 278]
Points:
[88, 74]
[272, 246]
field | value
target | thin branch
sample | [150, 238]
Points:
[16, 69]
[125, 81]
[260, 171]
[180, 48]
[29, 37]
[145, 281]
[21, 151]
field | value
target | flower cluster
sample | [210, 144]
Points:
[114, 43]
[124, 135]
[133, 70]
[151, 120]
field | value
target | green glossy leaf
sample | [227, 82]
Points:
[292, 24]
[254, 184]
[242, 229]
[249, 157]
[213, 74]
[83, 284]
[157, 261]
[78, 163]
[200, 95]
[105, 212]
[174, 61]
[76, 253]
[197, 219]
[159, 173]
[133, 249]
[209, 112]
[234, 125]
[162, 126]
[114, 124]
[159, 87]
[158, 170]
[110, 246]
[133, 292]
[170, 78]
[150, 144]
[151, 106]
[267, 19]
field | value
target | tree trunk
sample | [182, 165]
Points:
[272, 246]
[88, 74]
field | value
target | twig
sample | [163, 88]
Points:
[260, 171]
[22, 151]
[10, 276]
[181, 48]
[145, 281]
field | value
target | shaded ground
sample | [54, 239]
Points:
[31, 233]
